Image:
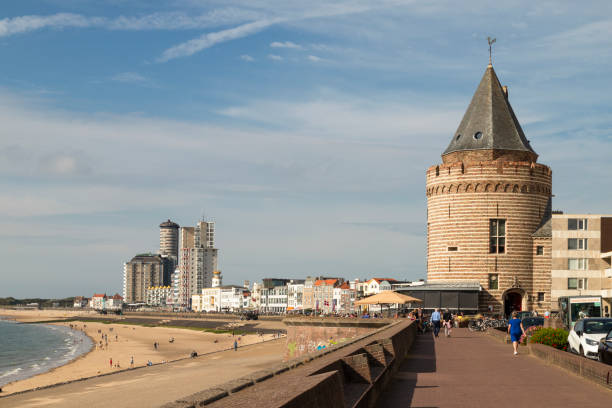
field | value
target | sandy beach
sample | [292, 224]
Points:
[121, 342]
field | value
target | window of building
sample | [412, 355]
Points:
[539, 250]
[493, 282]
[497, 235]
[577, 243]
[574, 224]
[582, 283]
[572, 283]
[577, 264]
[452, 249]
[540, 296]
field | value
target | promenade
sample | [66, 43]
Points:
[157, 385]
[474, 370]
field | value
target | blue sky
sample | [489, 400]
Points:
[303, 128]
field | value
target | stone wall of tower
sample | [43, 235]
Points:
[461, 199]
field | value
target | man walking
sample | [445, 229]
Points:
[435, 321]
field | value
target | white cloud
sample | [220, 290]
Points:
[155, 21]
[286, 44]
[246, 57]
[275, 57]
[129, 77]
[314, 58]
[209, 39]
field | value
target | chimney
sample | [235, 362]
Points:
[505, 89]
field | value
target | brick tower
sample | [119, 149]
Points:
[484, 204]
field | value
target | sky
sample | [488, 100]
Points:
[302, 128]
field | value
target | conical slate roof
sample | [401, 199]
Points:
[489, 122]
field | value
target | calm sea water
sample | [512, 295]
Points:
[30, 349]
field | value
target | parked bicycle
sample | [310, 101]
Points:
[484, 324]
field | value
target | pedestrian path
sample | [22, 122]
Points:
[474, 370]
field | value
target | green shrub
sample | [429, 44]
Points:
[556, 338]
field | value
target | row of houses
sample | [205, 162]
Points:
[278, 296]
[99, 301]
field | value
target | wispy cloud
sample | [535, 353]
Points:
[247, 58]
[314, 58]
[275, 57]
[209, 39]
[155, 21]
[286, 44]
[129, 77]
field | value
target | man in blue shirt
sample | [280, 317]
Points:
[435, 321]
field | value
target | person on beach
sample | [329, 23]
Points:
[516, 330]
[111, 362]
[132, 362]
[235, 345]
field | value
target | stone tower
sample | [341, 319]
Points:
[485, 202]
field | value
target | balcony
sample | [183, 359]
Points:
[608, 273]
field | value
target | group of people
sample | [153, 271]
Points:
[437, 320]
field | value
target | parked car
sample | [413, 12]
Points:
[585, 337]
[604, 352]
[532, 321]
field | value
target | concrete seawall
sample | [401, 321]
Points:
[351, 374]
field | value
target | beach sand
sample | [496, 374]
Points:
[125, 341]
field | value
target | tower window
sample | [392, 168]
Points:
[493, 281]
[539, 250]
[458, 137]
[540, 296]
[497, 236]
[478, 135]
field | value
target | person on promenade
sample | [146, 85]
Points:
[447, 319]
[235, 345]
[435, 321]
[111, 362]
[515, 329]
[132, 362]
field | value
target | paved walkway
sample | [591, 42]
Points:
[473, 370]
[154, 386]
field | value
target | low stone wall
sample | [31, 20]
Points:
[591, 370]
[350, 375]
[308, 335]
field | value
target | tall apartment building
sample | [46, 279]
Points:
[142, 272]
[197, 261]
[485, 202]
[581, 253]
[169, 239]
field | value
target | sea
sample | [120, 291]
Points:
[30, 349]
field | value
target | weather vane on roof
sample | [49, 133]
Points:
[490, 41]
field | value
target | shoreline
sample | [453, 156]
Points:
[80, 352]
[120, 342]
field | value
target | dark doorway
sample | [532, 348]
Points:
[513, 302]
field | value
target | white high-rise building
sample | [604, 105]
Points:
[197, 261]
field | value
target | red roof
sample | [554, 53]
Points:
[345, 285]
[99, 295]
[327, 282]
[117, 296]
[383, 279]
